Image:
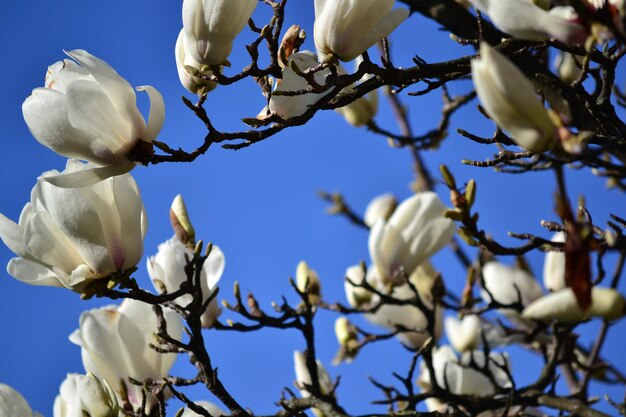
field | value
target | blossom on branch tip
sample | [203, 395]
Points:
[512, 288]
[87, 111]
[381, 206]
[509, 99]
[288, 98]
[303, 378]
[362, 110]
[347, 28]
[13, 404]
[210, 27]
[190, 72]
[554, 266]
[464, 334]
[308, 280]
[416, 230]
[525, 20]
[167, 272]
[563, 306]
[85, 396]
[115, 341]
[69, 237]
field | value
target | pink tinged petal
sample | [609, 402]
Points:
[157, 113]
[12, 235]
[91, 110]
[90, 176]
[33, 273]
[116, 88]
[46, 114]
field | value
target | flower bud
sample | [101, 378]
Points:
[189, 70]
[464, 334]
[85, 396]
[303, 378]
[292, 39]
[563, 306]
[357, 296]
[525, 20]
[554, 266]
[180, 222]
[346, 28]
[348, 341]
[569, 66]
[308, 281]
[509, 286]
[210, 27]
[381, 206]
[509, 99]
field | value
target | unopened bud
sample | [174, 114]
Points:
[308, 281]
[180, 222]
[290, 43]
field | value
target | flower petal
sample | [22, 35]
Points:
[157, 113]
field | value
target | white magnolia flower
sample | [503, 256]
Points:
[68, 237]
[461, 376]
[114, 343]
[85, 396]
[287, 106]
[569, 66]
[166, 270]
[525, 20]
[347, 28]
[306, 276]
[189, 69]
[303, 378]
[415, 231]
[509, 286]
[214, 410]
[357, 296]
[13, 404]
[408, 317]
[464, 334]
[381, 206]
[563, 306]
[509, 99]
[211, 26]
[87, 111]
[554, 266]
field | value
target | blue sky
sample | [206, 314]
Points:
[259, 205]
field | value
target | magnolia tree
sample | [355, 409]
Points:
[84, 227]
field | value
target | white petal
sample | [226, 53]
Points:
[89, 176]
[157, 113]
[12, 404]
[33, 273]
[560, 306]
[554, 266]
[12, 235]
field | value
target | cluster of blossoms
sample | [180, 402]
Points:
[84, 227]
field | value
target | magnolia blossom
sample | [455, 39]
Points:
[410, 319]
[167, 272]
[356, 295]
[415, 231]
[213, 410]
[381, 206]
[472, 374]
[554, 266]
[189, 69]
[210, 27]
[68, 237]
[464, 334]
[114, 343]
[307, 278]
[563, 306]
[525, 20]
[303, 378]
[287, 106]
[347, 28]
[87, 111]
[13, 404]
[85, 396]
[569, 66]
[509, 286]
[509, 99]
